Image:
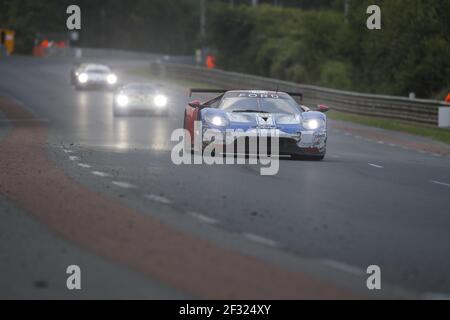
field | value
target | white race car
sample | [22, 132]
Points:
[251, 114]
[88, 75]
[145, 97]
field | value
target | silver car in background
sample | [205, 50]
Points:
[88, 75]
[140, 97]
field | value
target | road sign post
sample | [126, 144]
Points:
[6, 42]
[444, 117]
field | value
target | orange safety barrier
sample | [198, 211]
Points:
[211, 62]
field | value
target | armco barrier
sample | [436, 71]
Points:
[182, 67]
[113, 54]
[416, 110]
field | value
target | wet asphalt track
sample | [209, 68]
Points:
[367, 203]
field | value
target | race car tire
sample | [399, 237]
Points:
[317, 158]
[308, 157]
[118, 113]
[188, 145]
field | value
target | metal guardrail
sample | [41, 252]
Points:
[114, 54]
[182, 67]
[416, 110]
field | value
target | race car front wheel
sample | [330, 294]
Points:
[317, 158]
[308, 157]
[117, 112]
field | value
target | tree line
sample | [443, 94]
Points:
[322, 42]
[333, 47]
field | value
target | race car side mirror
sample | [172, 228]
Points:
[195, 104]
[323, 108]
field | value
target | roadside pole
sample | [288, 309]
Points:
[203, 27]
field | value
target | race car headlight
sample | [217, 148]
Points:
[313, 124]
[83, 78]
[218, 121]
[122, 100]
[111, 78]
[288, 119]
[160, 100]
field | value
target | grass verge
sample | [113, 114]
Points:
[439, 134]
[433, 132]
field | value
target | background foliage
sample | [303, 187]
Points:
[410, 54]
[309, 41]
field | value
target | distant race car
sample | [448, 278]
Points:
[302, 132]
[89, 75]
[145, 97]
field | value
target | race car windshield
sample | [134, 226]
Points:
[263, 105]
[97, 70]
[139, 88]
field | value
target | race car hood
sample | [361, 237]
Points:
[288, 123]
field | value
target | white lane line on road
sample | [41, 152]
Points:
[84, 165]
[67, 151]
[405, 148]
[157, 198]
[380, 142]
[392, 145]
[100, 174]
[203, 218]
[24, 120]
[74, 158]
[260, 240]
[375, 165]
[440, 183]
[358, 137]
[436, 154]
[124, 185]
[342, 266]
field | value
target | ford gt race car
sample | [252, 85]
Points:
[145, 97]
[88, 75]
[301, 132]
